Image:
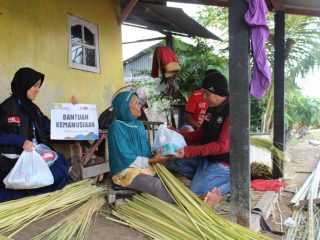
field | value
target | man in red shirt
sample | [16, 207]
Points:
[207, 164]
[195, 109]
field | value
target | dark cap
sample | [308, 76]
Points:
[216, 83]
[211, 70]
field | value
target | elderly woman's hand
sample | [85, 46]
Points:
[158, 158]
[27, 146]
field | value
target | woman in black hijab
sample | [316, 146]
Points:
[22, 125]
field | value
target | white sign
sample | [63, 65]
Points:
[74, 122]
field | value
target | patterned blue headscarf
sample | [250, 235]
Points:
[126, 136]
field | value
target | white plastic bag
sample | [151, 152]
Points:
[170, 141]
[48, 155]
[162, 137]
[29, 172]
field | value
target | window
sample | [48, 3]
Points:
[83, 45]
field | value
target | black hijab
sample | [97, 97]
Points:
[23, 80]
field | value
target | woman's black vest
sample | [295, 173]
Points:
[212, 125]
[14, 119]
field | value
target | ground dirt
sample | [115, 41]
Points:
[304, 158]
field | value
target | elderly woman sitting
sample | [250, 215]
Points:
[129, 149]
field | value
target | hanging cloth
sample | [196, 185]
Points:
[256, 17]
[165, 62]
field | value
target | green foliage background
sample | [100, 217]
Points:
[195, 61]
[304, 57]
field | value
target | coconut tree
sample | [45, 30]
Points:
[302, 56]
[302, 52]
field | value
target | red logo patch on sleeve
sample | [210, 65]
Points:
[13, 119]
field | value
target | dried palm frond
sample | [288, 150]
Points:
[260, 171]
[190, 218]
[76, 225]
[16, 215]
[4, 238]
[267, 144]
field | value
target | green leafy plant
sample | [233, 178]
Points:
[303, 34]
[195, 61]
[303, 111]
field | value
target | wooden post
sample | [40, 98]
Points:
[239, 112]
[169, 40]
[279, 57]
[169, 43]
[126, 12]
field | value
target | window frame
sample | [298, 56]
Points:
[73, 21]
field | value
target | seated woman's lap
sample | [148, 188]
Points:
[60, 168]
[59, 171]
[10, 194]
[152, 185]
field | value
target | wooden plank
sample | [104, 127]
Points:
[163, 19]
[220, 3]
[95, 170]
[144, 40]
[306, 12]
[266, 204]
[94, 161]
[126, 12]
[75, 171]
[278, 5]
[239, 112]
[288, 8]
[92, 149]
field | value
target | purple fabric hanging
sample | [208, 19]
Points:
[256, 17]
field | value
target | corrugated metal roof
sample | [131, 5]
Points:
[305, 7]
[141, 53]
[166, 19]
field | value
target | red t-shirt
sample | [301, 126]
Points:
[197, 106]
[221, 146]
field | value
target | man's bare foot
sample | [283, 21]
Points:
[213, 197]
